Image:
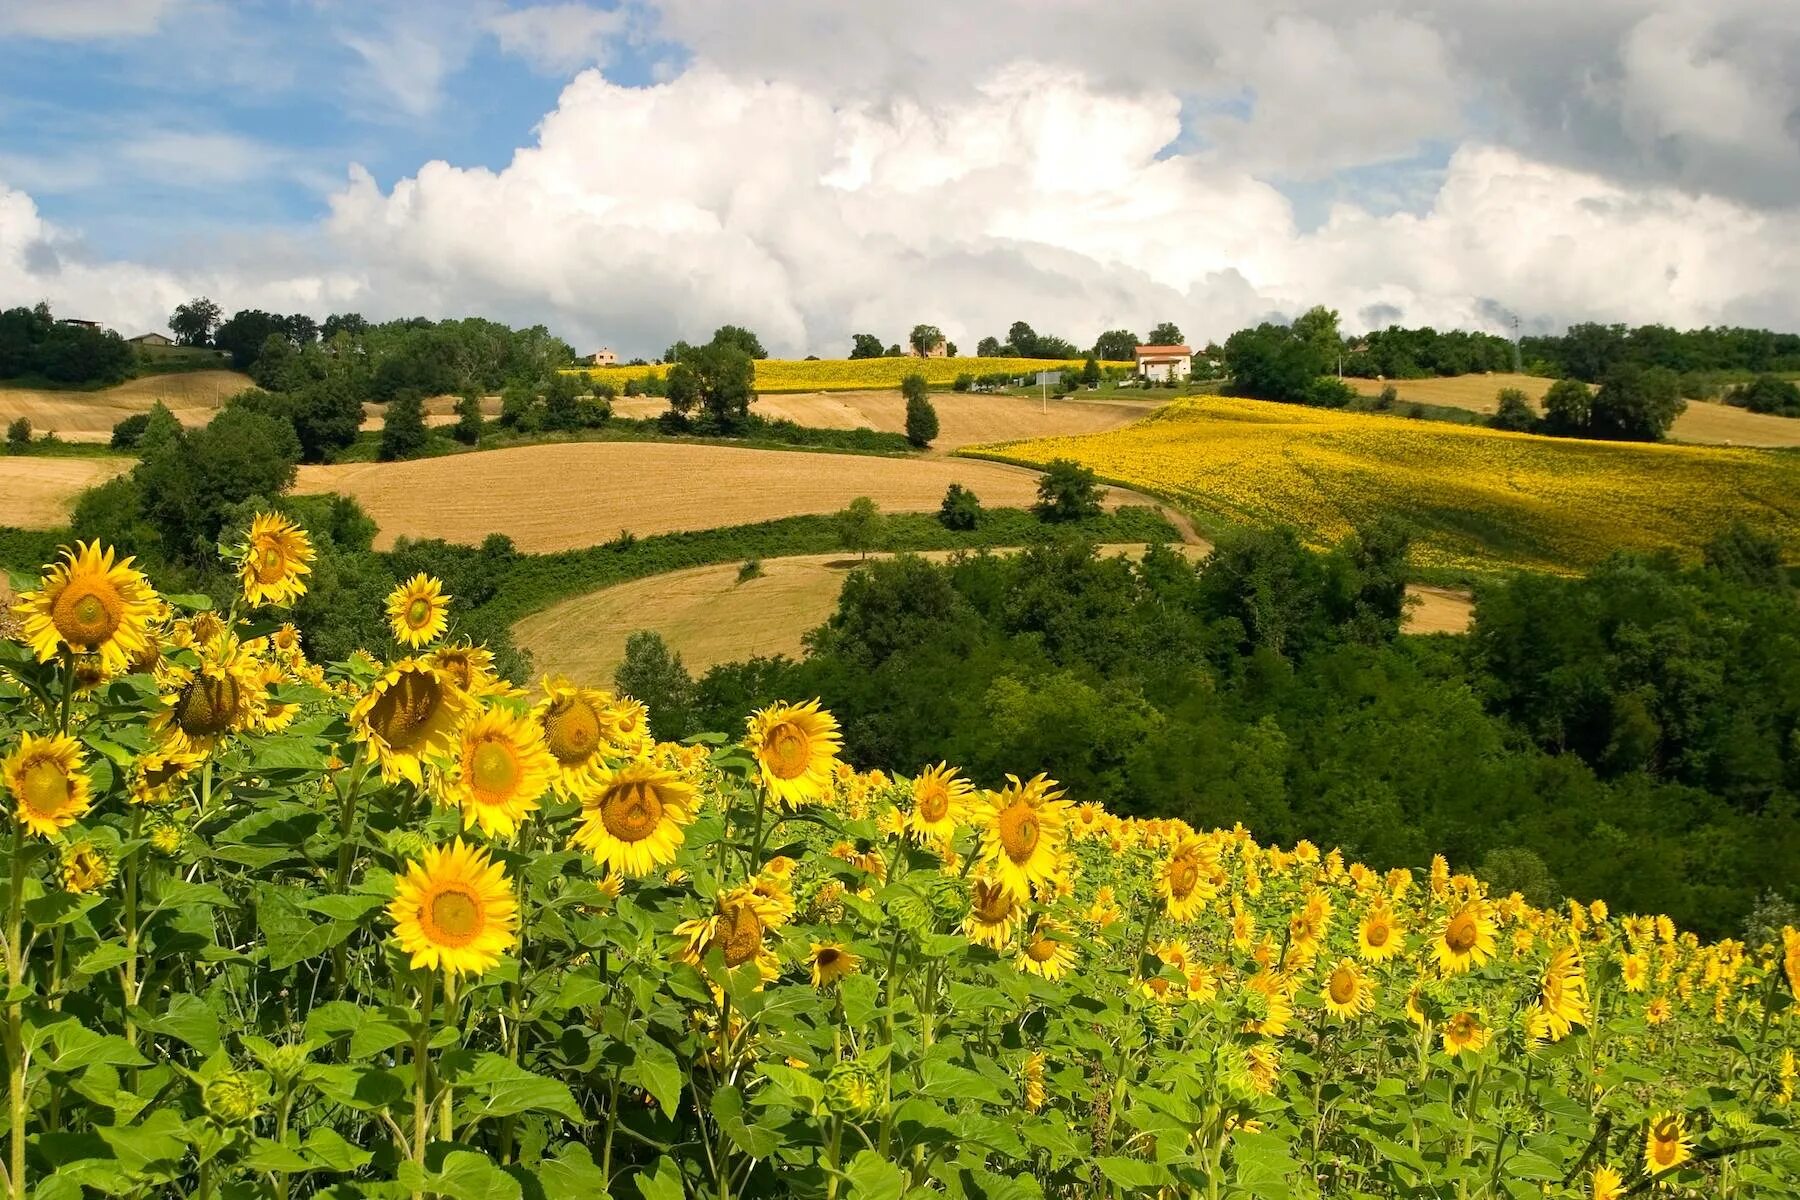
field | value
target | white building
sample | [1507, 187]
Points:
[603, 357]
[1159, 363]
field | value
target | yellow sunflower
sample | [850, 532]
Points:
[455, 910]
[830, 963]
[1267, 991]
[1035, 1093]
[1665, 1143]
[272, 716]
[1185, 879]
[500, 770]
[418, 611]
[1047, 951]
[1608, 1184]
[993, 914]
[1263, 1063]
[1347, 993]
[796, 747]
[1466, 940]
[737, 928]
[201, 707]
[940, 798]
[1562, 994]
[49, 786]
[85, 868]
[409, 715]
[89, 603]
[272, 560]
[1464, 1034]
[156, 775]
[1379, 937]
[1634, 969]
[470, 667]
[632, 818]
[1658, 1011]
[1023, 831]
[575, 722]
[628, 727]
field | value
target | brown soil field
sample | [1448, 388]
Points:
[35, 493]
[963, 420]
[566, 495]
[708, 617]
[1705, 421]
[193, 396]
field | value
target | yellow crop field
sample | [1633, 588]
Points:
[844, 374]
[1477, 497]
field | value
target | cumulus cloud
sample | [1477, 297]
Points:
[558, 38]
[77, 20]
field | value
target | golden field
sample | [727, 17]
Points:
[1477, 497]
[844, 374]
[193, 396]
[36, 493]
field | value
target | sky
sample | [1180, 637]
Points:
[632, 172]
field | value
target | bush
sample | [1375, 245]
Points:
[1390, 396]
[1768, 394]
[650, 673]
[1514, 412]
[1067, 492]
[921, 417]
[963, 383]
[752, 569]
[468, 419]
[1568, 408]
[1327, 391]
[961, 508]
[403, 432]
[859, 526]
[18, 436]
[1636, 404]
[127, 433]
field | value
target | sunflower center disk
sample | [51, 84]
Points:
[740, 936]
[789, 750]
[46, 788]
[631, 812]
[1019, 833]
[495, 770]
[574, 731]
[1376, 934]
[207, 707]
[86, 616]
[417, 613]
[1183, 878]
[1343, 987]
[455, 917]
[1041, 950]
[271, 566]
[993, 906]
[1460, 936]
[934, 804]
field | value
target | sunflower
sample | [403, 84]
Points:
[469, 667]
[575, 724]
[940, 799]
[1466, 940]
[156, 775]
[1035, 1094]
[272, 716]
[628, 727]
[418, 611]
[455, 910]
[1658, 1011]
[1023, 834]
[408, 715]
[796, 746]
[272, 560]
[1263, 1065]
[203, 706]
[1635, 970]
[830, 963]
[1184, 881]
[737, 929]
[1562, 994]
[500, 770]
[1464, 1034]
[1608, 1184]
[89, 603]
[1378, 938]
[1272, 1009]
[1665, 1143]
[1047, 952]
[49, 787]
[1347, 993]
[993, 914]
[632, 818]
[1790, 958]
[85, 868]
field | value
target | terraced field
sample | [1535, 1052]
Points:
[193, 396]
[35, 493]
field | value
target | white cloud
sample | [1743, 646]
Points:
[77, 20]
[558, 38]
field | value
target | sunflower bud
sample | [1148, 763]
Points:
[231, 1099]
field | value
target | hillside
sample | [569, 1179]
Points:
[845, 374]
[193, 396]
[36, 492]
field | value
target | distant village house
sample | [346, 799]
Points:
[605, 356]
[154, 340]
[1161, 363]
[79, 323]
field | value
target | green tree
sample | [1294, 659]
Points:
[921, 417]
[1637, 404]
[651, 673]
[518, 406]
[990, 347]
[193, 323]
[18, 436]
[1090, 371]
[924, 339]
[1167, 333]
[961, 508]
[1509, 869]
[468, 418]
[1568, 408]
[403, 432]
[741, 338]
[190, 484]
[865, 345]
[1768, 394]
[859, 526]
[1318, 328]
[561, 395]
[327, 415]
[127, 433]
[1068, 491]
[1514, 412]
[1747, 556]
[1270, 362]
[1118, 345]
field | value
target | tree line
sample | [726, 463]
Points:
[35, 345]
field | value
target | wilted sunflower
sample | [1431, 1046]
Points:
[1047, 952]
[1562, 994]
[1022, 834]
[272, 560]
[1263, 1064]
[156, 774]
[940, 797]
[1608, 1184]
[89, 603]
[85, 868]
[574, 721]
[830, 963]
[1346, 992]
[1466, 940]
[1035, 1095]
[410, 714]
[49, 787]
[499, 771]
[1464, 1034]
[632, 818]
[737, 929]
[796, 746]
[455, 910]
[1665, 1143]
[993, 914]
[1378, 938]
[418, 611]
[1184, 881]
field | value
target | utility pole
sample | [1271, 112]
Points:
[1518, 362]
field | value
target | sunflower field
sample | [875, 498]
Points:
[276, 928]
[843, 375]
[1476, 498]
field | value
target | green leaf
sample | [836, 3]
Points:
[465, 1175]
[103, 957]
[659, 1073]
[187, 1019]
[571, 1175]
[76, 1047]
[1132, 1172]
[59, 908]
[497, 1087]
[328, 1149]
[269, 1155]
[345, 908]
[362, 1087]
[665, 1184]
[873, 1177]
[314, 942]
[191, 601]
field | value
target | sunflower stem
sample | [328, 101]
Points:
[129, 969]
[445, 1130]
[422, 1074]
[15, 1015]
[68, 689]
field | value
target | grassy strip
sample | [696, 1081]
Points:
[540, 580]
[765, 435]
[46, 447]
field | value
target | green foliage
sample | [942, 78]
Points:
[924, 339]
[468, 418]
[1767, 394]
[188, 482]
[129, 432]
[1273, 362]
[1514, 412]
[1118, 345]
[921, 417]
[1068, 491]
[34, 345]
[193, 323]
[1568, 408]
[1747, 556]
[18, 436]
[1590, 352]
[1090, 371]
[403, 432]
[1509, 869]
[1166, 333]
[1636, 404]
[859, 525]
[865, 345]
[1397, 353]
[716, 380]
[654, 675]
[961, 508]
[752, 569]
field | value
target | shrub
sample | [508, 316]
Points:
[1390, 396]
[963, 383]
[1067, 492]
[859, 526]
[1768, 394]
[468, 418]
[403, 432]
[752, 569]
[961, 508]
[1514, 412]
[18, 436]
[921, 417]
[127, 433]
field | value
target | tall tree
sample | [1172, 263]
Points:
[1117, 345]
[921, 417]
[1167, 333]
[859, 526]
[193, 323]
[865, 345]
[924, 339]
[403, 432]
[741, 338]
[1637, 404]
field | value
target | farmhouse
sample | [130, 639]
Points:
[155, 340]
[605, 356]
[1161, 363]
[937, 349]
[78, 323]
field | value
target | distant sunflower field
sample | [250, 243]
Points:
[1476, 497]
[843, 375]
[394, 927]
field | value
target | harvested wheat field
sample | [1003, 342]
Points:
[1706, 422]
[963, 419]
[562, 496]
[193, 396]
[35, 493]
[708, 617]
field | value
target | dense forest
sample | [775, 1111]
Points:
[34, 345]
[1634, 734]
[1589, 352]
